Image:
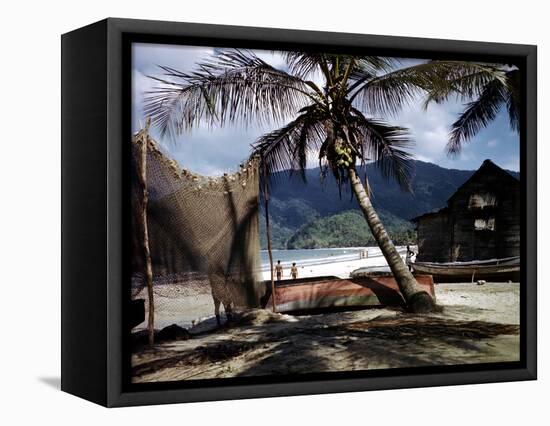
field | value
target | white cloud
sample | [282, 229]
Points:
[217, 150]
[429, 128]
[272, 58]
[512, 163]
[423, 158]
[146, 57]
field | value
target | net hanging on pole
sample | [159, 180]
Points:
[203, 231]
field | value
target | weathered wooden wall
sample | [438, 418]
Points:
[491, 195]
[508, 223]
[433, 238]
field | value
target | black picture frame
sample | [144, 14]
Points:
[95, 129]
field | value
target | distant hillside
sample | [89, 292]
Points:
[348, 229]
[295, 204]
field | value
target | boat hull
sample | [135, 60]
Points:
[334, 293]
[498, 271]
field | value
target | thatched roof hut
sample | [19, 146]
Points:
[481, 220]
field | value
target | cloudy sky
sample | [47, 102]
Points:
[213, 151]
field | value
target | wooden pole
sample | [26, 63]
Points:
[268, 234]
[142, 168]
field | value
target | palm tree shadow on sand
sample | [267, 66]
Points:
[346, 343]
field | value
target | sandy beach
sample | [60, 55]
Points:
[184, 306]
[477, 324]
[340, 269]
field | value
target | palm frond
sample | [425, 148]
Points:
[462, 79]
[305, 64]
[387, 94]
[368, 67]
[513, 99]
[477, 115]
[229, 86]
[389, 146]
[287, 147]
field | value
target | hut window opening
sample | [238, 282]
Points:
[485, 224]
[482, 200]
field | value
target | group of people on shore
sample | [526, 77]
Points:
[279, 270]
[409, 260]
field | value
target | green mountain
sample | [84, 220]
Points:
[313, 214]
[348, 229]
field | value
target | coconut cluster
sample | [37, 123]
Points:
[344, 155]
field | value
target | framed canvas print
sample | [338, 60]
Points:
[252, 212]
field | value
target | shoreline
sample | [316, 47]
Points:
[334, 267]
[184, 305]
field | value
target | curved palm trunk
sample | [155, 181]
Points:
[417, 300]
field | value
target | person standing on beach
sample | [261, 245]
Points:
[408, 259]
[279, 270]
[294, 271]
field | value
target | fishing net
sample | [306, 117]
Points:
[203, 236]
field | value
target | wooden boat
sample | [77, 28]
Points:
[323, 293]
[490, 270]
[369, 271]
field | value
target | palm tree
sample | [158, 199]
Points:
[326, 118]
[486, 89]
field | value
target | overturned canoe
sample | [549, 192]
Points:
[490, 270]
[332, 292]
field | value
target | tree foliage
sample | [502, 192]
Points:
[338, 120]
[349, 229]
[485, 89]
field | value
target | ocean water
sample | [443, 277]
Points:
[309, 257]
